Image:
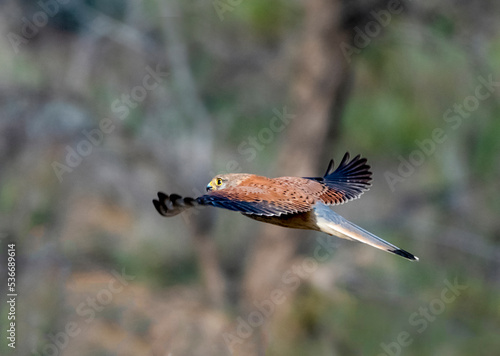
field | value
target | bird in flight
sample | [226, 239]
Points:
[294, 202]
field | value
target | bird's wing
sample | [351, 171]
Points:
[333, 224]
[279, 196]
[265, 199]
[272, 199]
[347, 182]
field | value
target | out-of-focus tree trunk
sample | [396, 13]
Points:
[322, 72]
[211, 273]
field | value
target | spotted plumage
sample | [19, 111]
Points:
[290, 201]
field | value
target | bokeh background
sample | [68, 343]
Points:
[104, 103]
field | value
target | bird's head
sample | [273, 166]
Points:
[224, 181]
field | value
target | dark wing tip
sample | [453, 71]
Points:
[159, 207]
[404, 254]
[345, 159]
[349, 167]
[346, 182]
[172, 205]
[329, 169]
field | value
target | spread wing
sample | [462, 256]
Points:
[272, 200]
[347, 182]
[258, 196]
[280, 196]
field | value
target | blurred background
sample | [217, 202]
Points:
[104, 103]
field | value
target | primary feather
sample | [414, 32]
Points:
[293, 202]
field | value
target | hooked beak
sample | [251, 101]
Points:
[209, 187]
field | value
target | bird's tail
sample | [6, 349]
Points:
[333, 224]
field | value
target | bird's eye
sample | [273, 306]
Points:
[218, 181]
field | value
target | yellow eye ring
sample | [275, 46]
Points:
[218, 181]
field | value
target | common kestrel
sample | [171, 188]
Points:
[300, 203]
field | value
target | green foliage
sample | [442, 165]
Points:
[267, 20]
[405, 80]
[150, 264]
